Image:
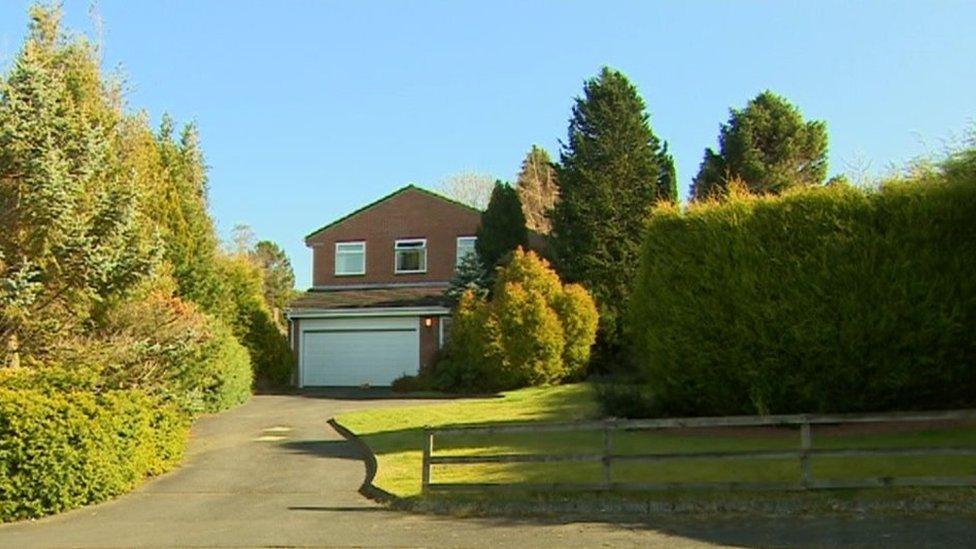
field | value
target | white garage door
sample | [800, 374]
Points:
[358, 351]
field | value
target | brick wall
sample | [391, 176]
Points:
[411, 213]
[429, 342]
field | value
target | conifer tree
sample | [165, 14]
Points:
[71, 233]
[502, 227]
[668, 179]
[768, 146]
[179, 207]
[279, 278]
[469, 276]
[613, 169]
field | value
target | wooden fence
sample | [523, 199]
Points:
[803, 453]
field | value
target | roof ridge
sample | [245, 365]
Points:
[406, 187]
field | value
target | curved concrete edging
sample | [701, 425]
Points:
[367, 488]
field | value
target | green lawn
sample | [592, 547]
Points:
[395, 435]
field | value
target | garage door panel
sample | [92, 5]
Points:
[360, 353]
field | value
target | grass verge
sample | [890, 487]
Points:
[395, 436]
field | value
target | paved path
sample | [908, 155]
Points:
[273, 473]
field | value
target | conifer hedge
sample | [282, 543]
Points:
[60, 450]
[829, 299]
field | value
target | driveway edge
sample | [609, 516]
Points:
[367, 489]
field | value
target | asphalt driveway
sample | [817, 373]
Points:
[273, 473]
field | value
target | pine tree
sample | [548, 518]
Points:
[537, 189]
[502, 227]
[613, 168]
[768, 146]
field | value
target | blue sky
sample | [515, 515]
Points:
[308, 110]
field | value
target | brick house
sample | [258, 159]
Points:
[376, 310]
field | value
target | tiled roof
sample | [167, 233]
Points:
[406, 296]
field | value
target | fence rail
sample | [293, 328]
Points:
[607, 457]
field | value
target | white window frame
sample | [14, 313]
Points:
[362, 244]
[396, 250]
[457, 255]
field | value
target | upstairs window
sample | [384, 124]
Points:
[465, 246]
[411, 256]
[350, 258]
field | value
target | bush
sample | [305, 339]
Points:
[823, 300]
[63, 450]
[579, 317]
[272, 356]
[227, 366]
[533, 331]
[530, 338]
[625, 399]
[252, 322]
[167, 347]
[410, 384]
[468, 362]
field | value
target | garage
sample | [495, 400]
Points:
[344, 352]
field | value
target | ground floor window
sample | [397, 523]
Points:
[445, 325]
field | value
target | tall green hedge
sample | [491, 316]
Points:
[828, 299]
[63, 450]
[227, 367]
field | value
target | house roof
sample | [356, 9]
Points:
[397, 192]
[361, 298]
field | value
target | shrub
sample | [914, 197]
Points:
[823, 300]
[469, 358]
[167, 347]
[252, 322]
[619, 398]
[579, 317]
[533, 331]
[530, 338]
[410, 384]
[272, 356]
[63, 450]
[228, 369]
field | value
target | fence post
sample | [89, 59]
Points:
[425, 467]
[607, 452]
[806, 442]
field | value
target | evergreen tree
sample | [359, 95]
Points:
[470, 275]
[667, 182]
[179, 208]
[768, 146]
[71, 233]
[712, 179]
[502, 227]
[279, 278]
[611, 173]
[537, 189]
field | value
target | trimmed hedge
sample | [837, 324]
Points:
[828, 299]
[64, 450]
[227, 367]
